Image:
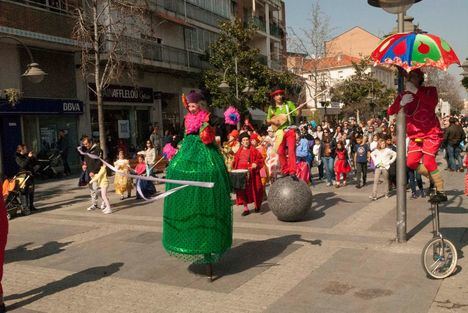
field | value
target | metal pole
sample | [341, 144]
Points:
[401, 157]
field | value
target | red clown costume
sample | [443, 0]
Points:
[252, 160]
[422, 127]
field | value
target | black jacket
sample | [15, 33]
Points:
[93, 165]
[25, 163]
[454, 135]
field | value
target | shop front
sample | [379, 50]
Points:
[127, 117]
[36, 123]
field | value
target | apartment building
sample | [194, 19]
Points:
[45, 27]
[270, 38]
[341, 51]
[178, 34]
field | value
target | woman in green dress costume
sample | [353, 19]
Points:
[198, 221]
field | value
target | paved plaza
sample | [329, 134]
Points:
[341, 258]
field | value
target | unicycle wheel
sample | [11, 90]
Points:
[439, 258]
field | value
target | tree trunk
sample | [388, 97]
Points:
[98, 82]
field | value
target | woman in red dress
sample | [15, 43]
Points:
[341, 164]
[249, 158]
[3, 240]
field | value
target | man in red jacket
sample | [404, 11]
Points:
[422, 128]
[3, 240]
[249, 158]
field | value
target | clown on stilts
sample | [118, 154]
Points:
[198, 221]
[280, 117]
[422, 128]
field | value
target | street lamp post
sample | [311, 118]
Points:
[399, 7]
[224, 86]
[33, 72]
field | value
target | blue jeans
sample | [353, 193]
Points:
[454, 157]
[329, 166]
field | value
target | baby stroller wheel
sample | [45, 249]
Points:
[8, 215]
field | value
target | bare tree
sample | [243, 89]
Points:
[108, 51]
[448, 87]
[309, 45]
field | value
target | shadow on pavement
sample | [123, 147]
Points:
[21, 253]
[250, 254]
[71, 281]
[322, 202]
[58, 205]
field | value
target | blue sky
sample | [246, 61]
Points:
[445, 18]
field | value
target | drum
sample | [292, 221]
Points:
[239, 178]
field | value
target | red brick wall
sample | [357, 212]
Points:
[35, 20]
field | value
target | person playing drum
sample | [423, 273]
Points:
[280, 116]
[249, 158]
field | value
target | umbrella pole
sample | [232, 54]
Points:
[401, 156]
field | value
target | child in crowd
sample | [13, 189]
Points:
[382, 158]
[341, 164]
[361, 157]
[101, 179]
[372, 146]
[318, 157]
[147, 187]
[302, 155]
[122, 183]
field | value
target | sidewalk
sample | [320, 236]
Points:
[341, 258]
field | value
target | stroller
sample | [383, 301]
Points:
[14, 194]
[50, 166]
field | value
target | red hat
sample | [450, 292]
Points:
[277, 92]
[234, 133]
[254, 136]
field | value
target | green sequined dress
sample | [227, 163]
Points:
[198, 221]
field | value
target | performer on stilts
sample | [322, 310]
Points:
[422, 128]
[198, 221]
[280, 115]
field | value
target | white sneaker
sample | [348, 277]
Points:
[91, 208]
[329, 184]
[103, 206]
[107, 211]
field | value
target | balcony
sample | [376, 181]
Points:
[56, 6]
[260, 23]
[170, 55]
[275, 30]
[185, 9]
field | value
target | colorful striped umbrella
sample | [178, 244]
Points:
[414, 50]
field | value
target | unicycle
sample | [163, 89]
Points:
[439, 256]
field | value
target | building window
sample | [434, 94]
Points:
[197, 39]
[59, 6]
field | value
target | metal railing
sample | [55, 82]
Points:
[57, 6]
[275, 30]
[183, 8]
[259, 23]
[171, 55]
